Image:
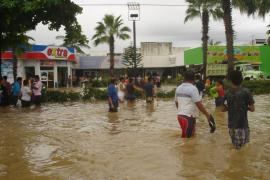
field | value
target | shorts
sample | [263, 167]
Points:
[239, 136]
[149, 99]
[187, 125]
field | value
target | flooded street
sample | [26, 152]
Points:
[84, 141]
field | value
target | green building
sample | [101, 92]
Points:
[217, 54]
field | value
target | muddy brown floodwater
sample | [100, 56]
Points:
[83, 141]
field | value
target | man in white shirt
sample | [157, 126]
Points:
[188, 101]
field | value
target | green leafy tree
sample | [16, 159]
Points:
[107, 31]
[74, 38]
[18, 43]
[203, 9]
[17, 17]
[132, 59]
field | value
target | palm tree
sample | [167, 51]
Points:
[203, 9]
[107, 31]
[227, 19]
[248, 7]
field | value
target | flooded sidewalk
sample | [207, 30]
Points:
[84, 141]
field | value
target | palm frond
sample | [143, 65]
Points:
[125, 29]
[192, 13]
[124, 36]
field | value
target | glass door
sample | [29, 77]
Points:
[46, 77]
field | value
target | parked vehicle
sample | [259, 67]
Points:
[248, 71]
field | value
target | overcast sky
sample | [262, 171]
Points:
[157, 24]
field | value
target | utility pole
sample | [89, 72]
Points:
[134, 15]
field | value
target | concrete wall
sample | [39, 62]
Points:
[156, 48]
[161, 54]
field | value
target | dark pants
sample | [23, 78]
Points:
[115, 108]
[26, 103]
[219, 101]
[131, 97]
[4, 100]
[37, 100]
[14, 100]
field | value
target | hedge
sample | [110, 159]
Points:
[89, 92]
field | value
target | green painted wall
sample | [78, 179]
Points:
[193, 56]
[265, 58]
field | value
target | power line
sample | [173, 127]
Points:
[161, 5]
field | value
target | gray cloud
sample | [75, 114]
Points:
[159, 24]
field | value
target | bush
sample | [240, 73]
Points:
[89, 92]
[163, 94]
[98, 83]
[57, 96]
[256, 87]
[177, 80]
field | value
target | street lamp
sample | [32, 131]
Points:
[134, 15]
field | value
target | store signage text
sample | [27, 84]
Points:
[57, 52]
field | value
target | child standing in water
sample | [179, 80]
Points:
[238, 102]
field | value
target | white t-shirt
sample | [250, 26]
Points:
[187, 95]
[25, 93]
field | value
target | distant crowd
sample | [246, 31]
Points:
[125, 89]
[26, 92]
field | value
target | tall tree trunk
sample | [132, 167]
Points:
[227, 18]
[112, 56]
[205, 29]
[0, 61]
[15, 64]
[0, 53]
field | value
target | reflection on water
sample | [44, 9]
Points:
[141, 141]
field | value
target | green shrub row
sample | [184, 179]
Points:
[258, 87]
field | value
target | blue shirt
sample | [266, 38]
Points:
[16, 89]
[148, 89]
[112, 93]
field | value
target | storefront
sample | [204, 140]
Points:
[53, 64]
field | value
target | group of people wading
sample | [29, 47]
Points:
[237, 101]
[125, 89]
[26, 91]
